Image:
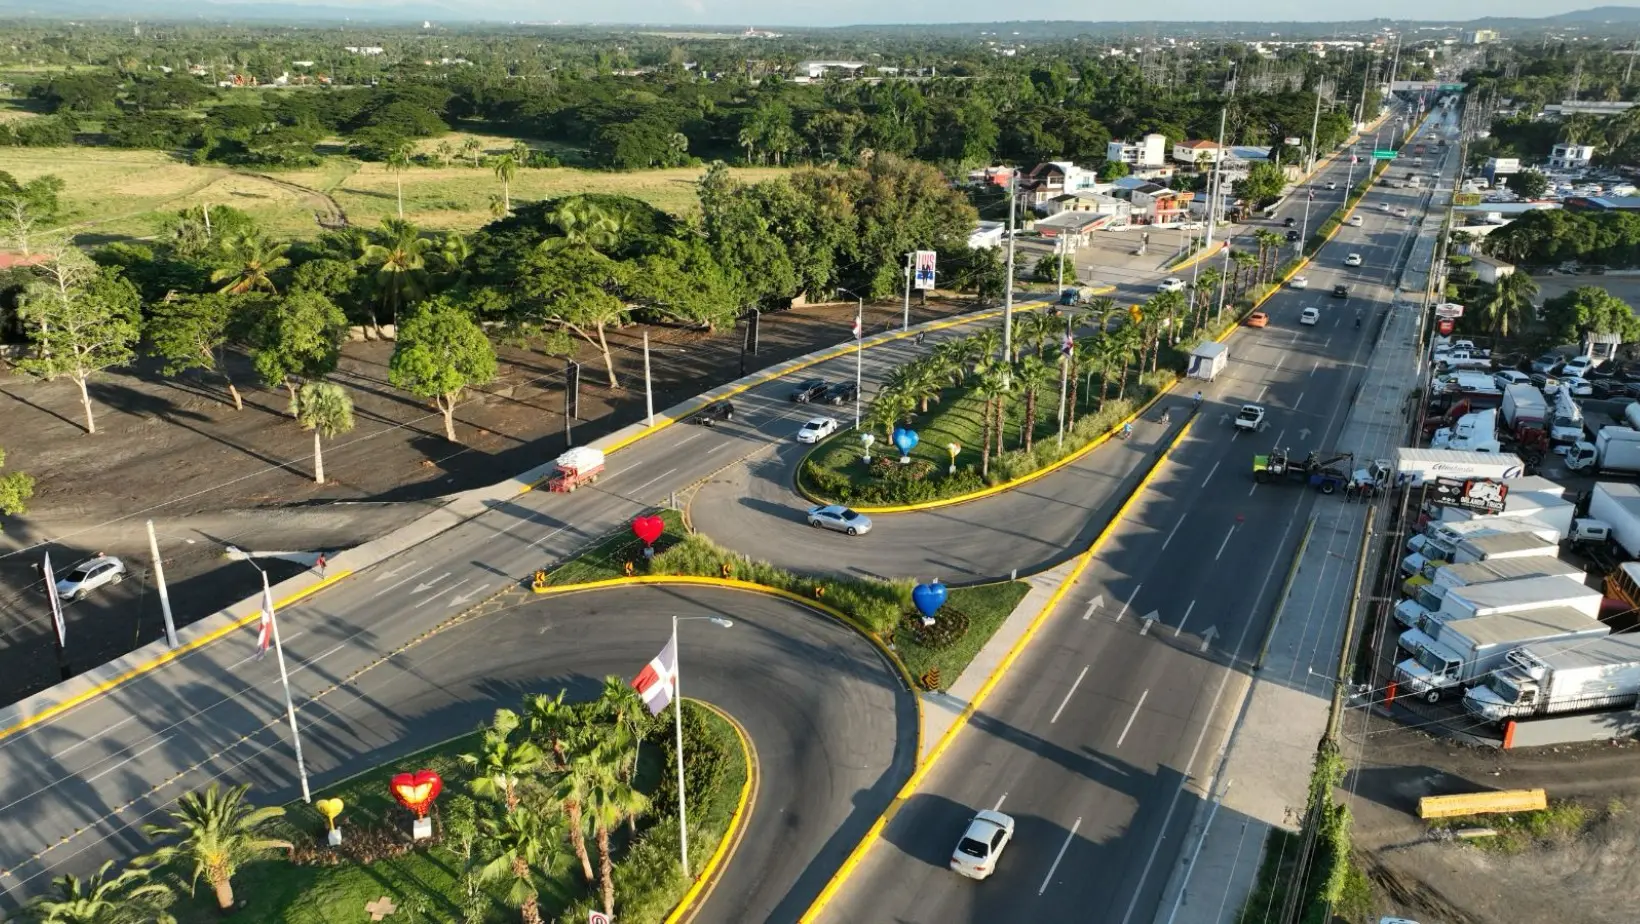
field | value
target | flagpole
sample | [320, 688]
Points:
[677, 725]
[284, 680]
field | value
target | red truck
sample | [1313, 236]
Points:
[579, 466]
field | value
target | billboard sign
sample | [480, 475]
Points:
[1449, 310]
[1471, 494]
[924, 274]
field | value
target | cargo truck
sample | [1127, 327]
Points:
[1566, 419]
[1492, 598]
[1615, 451]
[1456, 654]
[1548, 508]
[1524, 408]
[1414, 466]
[1440, 540]
[1617, 506]
[576, 467]
[1560, 677]
[1426, 588]
[1476, 431]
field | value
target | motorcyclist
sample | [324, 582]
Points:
[1198, 399]
[1166, 417]
[1358, 319]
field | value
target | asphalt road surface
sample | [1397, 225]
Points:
[1116, 711]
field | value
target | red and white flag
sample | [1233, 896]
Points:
[264, 633]
[858, 329]
[657, 683]
[56, 604]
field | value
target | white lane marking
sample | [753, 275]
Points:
[405, 581]
[1225, 543]
[1261, 392]
[652, 481]
[1299, 401]
[998, 806]
[160, 742]
[432, 597]
[1129, 726]
[1068, 694]
[549, 535]
[1185, 619]
[1204, 484]
[718, 448]
[1315, 367]
[1128, 602]
[697, 435]
[1279, 359]
[85, 741]
[1062, 848]
[1170, 533]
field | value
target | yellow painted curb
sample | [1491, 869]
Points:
[701, 888]
[1082, 562]
[169, 656]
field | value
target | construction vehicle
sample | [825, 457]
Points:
[579, 466]
[1319, 470]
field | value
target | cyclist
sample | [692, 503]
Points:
[1127, 430]
[1198, 399]
[1166, 418]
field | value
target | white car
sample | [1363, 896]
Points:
[1579, 388]
[1577, 367]
[89, 575]
[1171, 284]
[1383, 206]
[1353, 259]
[839, 518]
[1250, 418]
[1356, 221]
[1402, 213]
[1299, 282]
[1310, 316]
[1332, 185]
[1510, 377]
[982, 844]
[817, 429]
[1190, 226]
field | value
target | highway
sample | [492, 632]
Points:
[1106, 728]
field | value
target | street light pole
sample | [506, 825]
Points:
[1008, 292]
[164, 594]
[905, 320]
[1315, 123]
[648, 391]
[677, 713]
[284, 676]
[1304, 232]
[1214, 194]
[859, 347]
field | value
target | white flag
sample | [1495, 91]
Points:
[56, 604]
[264, 634]
[658, 681]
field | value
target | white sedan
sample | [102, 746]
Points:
[1402, 213]
[1250, 418]
[1579, 388]
[817, 429]
[1171, 284]
[1383, 206]
[1356, 221]
[1190, 226]
[1299, 282]
[982, 844]
[1310, 316]
[1332, 185]
[839, 518]
[1353, 259]
[89, 575]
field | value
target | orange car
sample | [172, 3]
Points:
[1258, 319]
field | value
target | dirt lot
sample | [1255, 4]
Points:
[176, 451]
[1588, 879]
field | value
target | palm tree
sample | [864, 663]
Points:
[950, 358]
[1106, 353]
[129, 898]
[1130, 346]
[247, 263]
[885, 413]
[520, 153]
[453, 252]
[748, 140]
[1270, 244]
[1034, 376]
[549, 719]
[611, 801]
[584, 224]
[571, 792]
[472, 149]
[520, 846]
[506, 168]
[1206, 291]
[444, 152]
[1509, 300]
[324, 408]
[915, 383]
[502, 763]
[987, 347]
[217, 832]
[398, 162]
[397, 254]
[1243, 261]
[629, 719]
[498, 206]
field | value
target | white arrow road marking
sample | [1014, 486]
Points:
[426, 584]
[1129, 726]
[1068, 694]
[1150, 620]
[1208, 637]
[457, 601]
[1093, 604]
[1062, 848]
[452, 587]
[403, 581]
[1304, 434]
[387, 574]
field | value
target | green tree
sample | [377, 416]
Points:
[473, 150]
[15, 490]
[1590, 310]
[506, 170]
[247, 263]
[520, 847]
[504, 761]
[1509, 301]
[1530, 184]
[296, 337]
[582, 222]
[575, 782]
[82, 320]
[215, 833]
[1034, 377]
[398, 162]
[189, 331]
[572, 290]
[396, 257]
[440, 352]
[1263, 184]
[611, 800]
[326, 409]
[132, 897]
[992, 389]
[26, 206]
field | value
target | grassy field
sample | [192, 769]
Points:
[425, 884]
[606, 559]
[985, 607]
[117, 194]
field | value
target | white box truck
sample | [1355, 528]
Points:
[1560, 677]
[1456, 654]
[1615, 451]
[1617, 505]
[1566, 422]
[1414, 466]
[1476, 431]
[1524, 408]
[1548, 508]
[1426, 590]
[1494, 598]
[1440, 539]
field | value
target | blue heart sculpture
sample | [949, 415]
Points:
[905, 440]
[928, 598]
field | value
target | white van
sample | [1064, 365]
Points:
[1311, 316]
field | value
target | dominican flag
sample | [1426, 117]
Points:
[264, 633]
[1068, 346]
[1312, 195]
[858, 329]
[658, 681]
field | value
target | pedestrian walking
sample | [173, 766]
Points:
[320, 564]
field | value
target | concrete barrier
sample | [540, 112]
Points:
[1483, 803]
[1570, 729]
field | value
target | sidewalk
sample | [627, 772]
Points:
[1263, 780]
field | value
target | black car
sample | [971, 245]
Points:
[1292, 235]
[841, 392]
[1341, 292]
[714, 412]
[811, 390]
[1288, 223]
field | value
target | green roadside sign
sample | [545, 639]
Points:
[1383, 155]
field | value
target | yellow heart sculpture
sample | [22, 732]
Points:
[329, 808]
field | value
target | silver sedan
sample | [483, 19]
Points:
[839, 518]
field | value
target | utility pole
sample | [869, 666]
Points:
[1315, 123]
[1008, 292]
[905, 322]
[1213, 192]
[1629, 68]
[648, 391]
[164, 594]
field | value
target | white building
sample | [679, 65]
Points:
[1571, 157]
[1490, 269]
[814, 70]
[1149, 152]
[365, 49]
[1087, 201]
[987, 235]
[1197, 152]
[1054, 178]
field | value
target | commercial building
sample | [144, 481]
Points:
[1052, 179]
[1087, 201]
[1586, 107]
[1197, 152]
[1603, 203]
[1480, 36]
[1149, 152]
[1073, 227]
[1570, 156]
[814, 70]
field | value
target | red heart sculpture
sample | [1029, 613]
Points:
[648, 528]
[416, 791]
